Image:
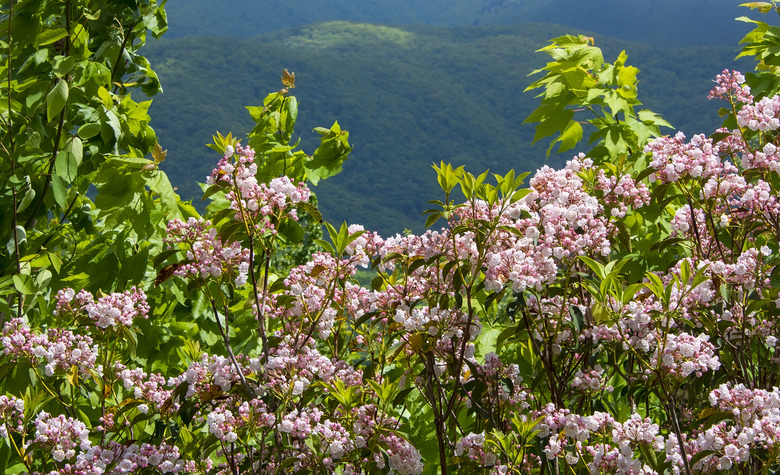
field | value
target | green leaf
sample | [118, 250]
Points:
[24, 284]
[21, 237]
[56, 99]
[313, 211]
[329, 156]
[16, 468]
[401, 396]
[570, 136]
[291, 231]
[66, 166]
[48, 37]
[75, 147]
[577, 318]
[596, 267]
[63, 65]
[59, 188]
[26, 200]
[87, 131]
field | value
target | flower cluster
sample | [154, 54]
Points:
[621, 192]
[207, 255]
[473, 447]
[152, 388]
[761, 116]
[61, 435]
[680, 355]
[752, 421]
[119, 308]
[730, 86]
[59, 350]
[212, 372]
[293, 369]
[558, 219]
[11, 415]
[260, 203]
[591, 381]
[222, 424]
[605, 444]
[674, 159]
[117, 459]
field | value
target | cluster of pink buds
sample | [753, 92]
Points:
[262, 204]
[674, 159]
[59, 350]
[116, 459]
[222, 424]
[761, 116]
[207, 255]
[11, 415]
[119, 308]
[621, 192]
[147, 387]
[731, 85]
[214, 369]
[370, 422]
[684, 354]
[473, 447]
[61, 435]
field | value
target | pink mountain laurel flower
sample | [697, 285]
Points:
[684, 354]
[119, 308]
[674, 159]
[207, 255]
[262, 204]
[61, 435]
[760, 116]
[11, 415]
[59, 350]
[731, 85]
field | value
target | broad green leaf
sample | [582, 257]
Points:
[596, 267]
[56, 99]
[570, 136]
[75, 148]
[48, 37]
[66, 166]
[87, 131]
[24, 284]
[63, 65]
[59, 188]
[313, 211]
[27, 198]
[21, 237]
[332, 152]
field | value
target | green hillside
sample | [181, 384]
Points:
[656, 22]
[410, 96]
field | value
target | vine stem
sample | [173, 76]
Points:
[225, 331]
[439, 418]
[260, 305]
[678, 432]
[14, 223]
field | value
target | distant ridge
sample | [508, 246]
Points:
[654, 22]
[409, 96]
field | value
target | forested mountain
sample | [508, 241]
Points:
[655, 22]
[409, 96]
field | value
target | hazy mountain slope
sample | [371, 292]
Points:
[656, 22]
[409, 96]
